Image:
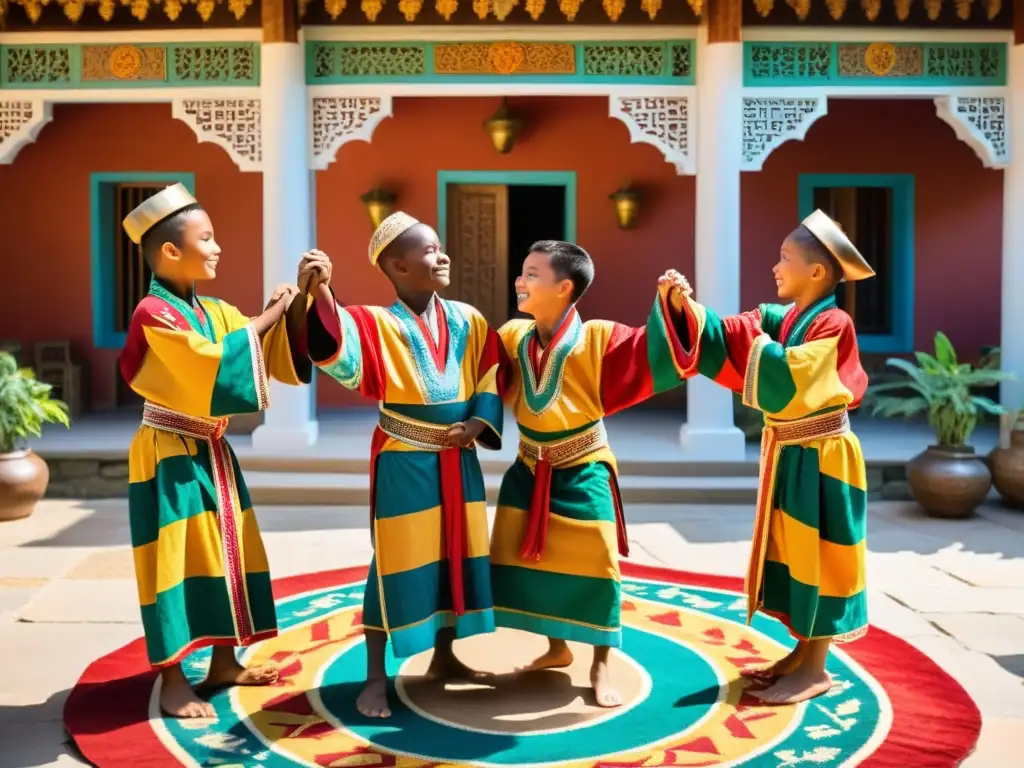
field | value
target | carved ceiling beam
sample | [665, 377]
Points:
[837, 9]
[73, 9]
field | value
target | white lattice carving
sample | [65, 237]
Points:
[768, 123]
[979, 122]
[662, 122]
[231, 124]
[20, 123]
[337, 120]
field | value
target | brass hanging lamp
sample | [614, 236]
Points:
[503, 127]
[379, 204]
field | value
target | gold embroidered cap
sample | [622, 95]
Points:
[389, 229]
[151, 212]
[831, 235]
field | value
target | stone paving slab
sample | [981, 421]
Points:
[993, 635]
[85, 601]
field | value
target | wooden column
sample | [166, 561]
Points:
[280, 21]
[724, 19]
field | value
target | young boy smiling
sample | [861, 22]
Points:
[200, 565]
[559, 524]
[800, 366]
[432, 365]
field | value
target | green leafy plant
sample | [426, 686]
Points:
[941, 387]
[25, 405]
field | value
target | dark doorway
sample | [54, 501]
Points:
[534, 213]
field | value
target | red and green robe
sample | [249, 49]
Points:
[430, 567]
[554, 555]
[803, 371]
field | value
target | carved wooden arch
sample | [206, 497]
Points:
[21, 120]
[661, 121]
[337, 120]
[234, 125]
[977, 118]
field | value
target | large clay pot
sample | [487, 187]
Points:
[1008, 470]
[23, 480]
[949, 482]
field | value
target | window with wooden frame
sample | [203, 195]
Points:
[120, 276]
[877, 212]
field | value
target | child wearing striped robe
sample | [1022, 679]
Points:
[800, 366]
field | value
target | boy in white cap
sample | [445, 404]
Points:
[202, 572]
[432, 365]
[800, 366]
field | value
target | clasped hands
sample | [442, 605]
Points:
[675, 282]
[314, 269]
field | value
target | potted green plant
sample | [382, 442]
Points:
[948, 478]
[25, 405]
[1007, 465]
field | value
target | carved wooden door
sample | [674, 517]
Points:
[478, 245]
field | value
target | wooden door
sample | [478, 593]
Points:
[478, 245]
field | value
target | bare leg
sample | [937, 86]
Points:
[225, 670]
[807, 680]
[445, 664]
[373, 699]
[776, 669]
[178, 699]
[600, 677]
[557, 656]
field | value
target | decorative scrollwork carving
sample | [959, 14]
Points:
[769, 123]
[339, 120]
[232, 124]
[20, 122]
[979, 122]
[662, 122]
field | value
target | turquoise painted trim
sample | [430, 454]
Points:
[811, 58]
[901, 295]
[53, 75]
[101, 246]
[326, 55]
[565, 179]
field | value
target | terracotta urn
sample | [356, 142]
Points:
[1008, 470]
[949, 481]
[23, 480]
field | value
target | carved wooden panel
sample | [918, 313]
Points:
[478, 245]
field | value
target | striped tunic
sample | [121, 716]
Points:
[200, 564]
[803, 371]
[425, 501]
[568, 587]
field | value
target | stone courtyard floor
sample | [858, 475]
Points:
[955, 590]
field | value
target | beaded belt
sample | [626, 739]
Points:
[419, 434]
[196, 427]
[566, 451]
[775, 436]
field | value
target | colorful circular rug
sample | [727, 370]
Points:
[684, 642]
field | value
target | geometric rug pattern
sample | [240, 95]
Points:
[684, 642]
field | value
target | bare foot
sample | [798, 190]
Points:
[605, 693]
[771, 671]
[445, 665]
[556, 657]
[799, 686]
[178, 699]
[373, 699]
[233, 673]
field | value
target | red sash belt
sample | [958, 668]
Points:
[550, 456]
[434, 437]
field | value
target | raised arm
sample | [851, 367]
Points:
[636, 363]
[169, 364]
[284, 346]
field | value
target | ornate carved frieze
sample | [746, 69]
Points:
[662, 122]
[339, 120]
[232, 124]
[770, 122]
[20, 123]
[979, 122]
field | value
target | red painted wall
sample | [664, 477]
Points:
[958, 211]
[46, 293]
[44, 207]
[428, 135]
